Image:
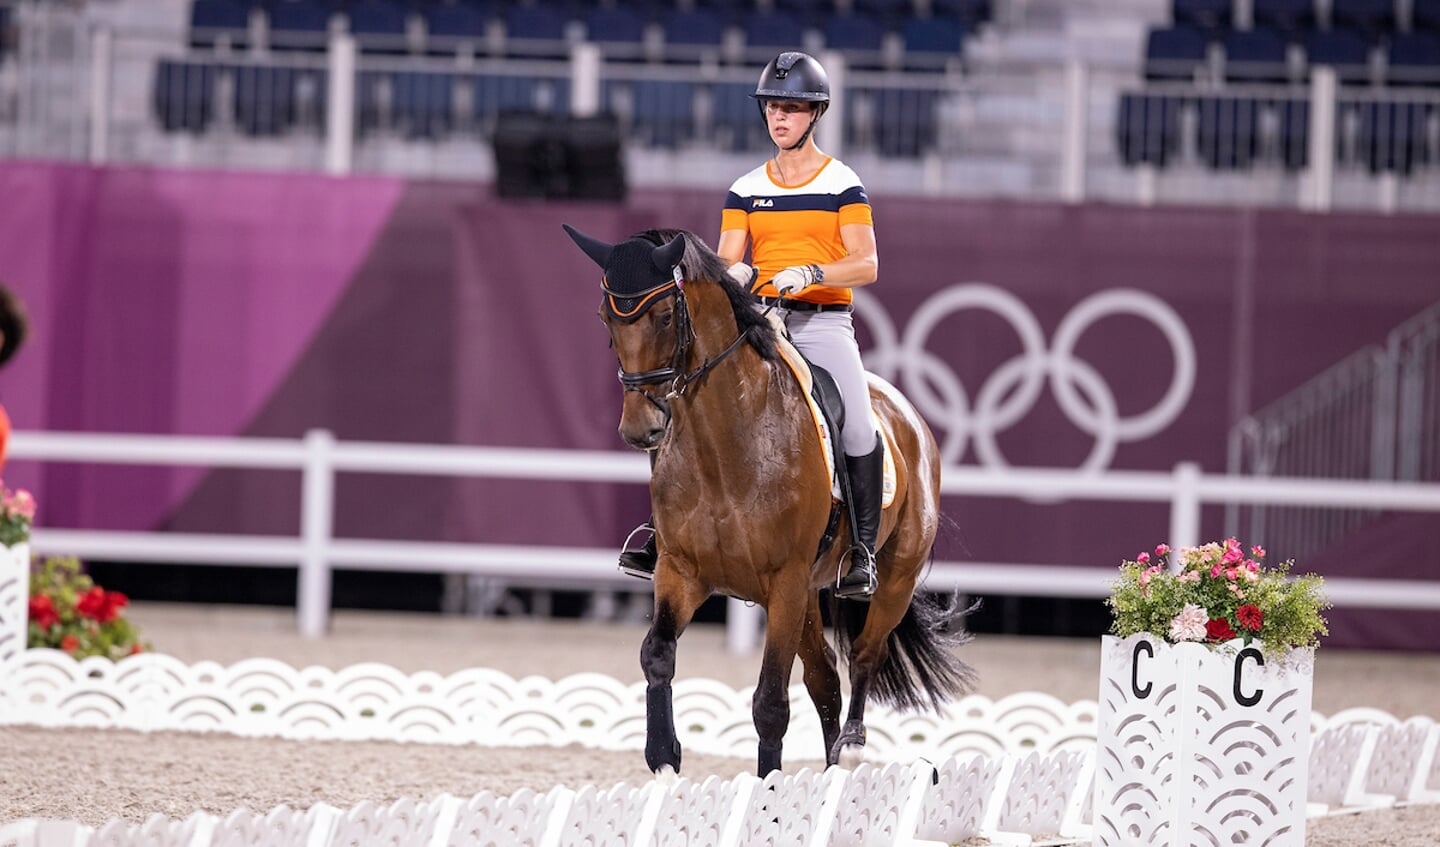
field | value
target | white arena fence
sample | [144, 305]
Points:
[1012, 770]
[320, 457]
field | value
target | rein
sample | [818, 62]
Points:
[674, 373]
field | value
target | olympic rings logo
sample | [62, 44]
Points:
[1010, 392]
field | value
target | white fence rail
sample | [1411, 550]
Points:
[316, 551]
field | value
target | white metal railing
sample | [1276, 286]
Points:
[319, 457]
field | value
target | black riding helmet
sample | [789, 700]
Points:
[794, 76]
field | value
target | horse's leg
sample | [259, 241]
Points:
[770, 707]
[675, 605]
[869, 651]
[821, 678]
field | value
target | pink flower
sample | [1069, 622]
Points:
[1189, 625]
[1143, 558]
[1232, 574]
[1189, 576]
[1215, 570]
[1257, 551]
[1162, 549]
[1233, 553]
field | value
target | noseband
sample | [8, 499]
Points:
[674, 374]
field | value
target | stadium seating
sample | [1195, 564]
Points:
[300, 24]
[1291, 17]
[1256, 55]
[1346, 51]
[1209, 16]
[1392, 136]
[213, 22]
[1370, 18]
[379, 26]
[1413, 58]
[1175, 53]
[1148, 128]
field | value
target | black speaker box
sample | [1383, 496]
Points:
[558, 157]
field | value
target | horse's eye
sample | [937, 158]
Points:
[665, 319]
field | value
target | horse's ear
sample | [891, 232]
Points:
[597, 250]
[668, 255]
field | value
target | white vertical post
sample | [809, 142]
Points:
[1320, 176]
[1072, 153]
[317, 515]
[102, 57]
[340, 110]
[830, 135]
[585, 71]
[1185, 511]
[14, 602]
[742, 626]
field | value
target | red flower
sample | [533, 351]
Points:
[114, 603]
[42, 611]
[136, 649]
[92, 603]
[1218, 629]
[69, 644]
[1250, 617]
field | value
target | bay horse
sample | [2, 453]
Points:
[742, 496]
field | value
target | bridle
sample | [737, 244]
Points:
[674, 374]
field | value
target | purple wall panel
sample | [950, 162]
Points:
[432, 312]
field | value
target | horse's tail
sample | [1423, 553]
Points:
[922, 670]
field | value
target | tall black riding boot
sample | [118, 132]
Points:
[867, 484]
[640, 562]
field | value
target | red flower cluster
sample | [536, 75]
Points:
[42, 611]
[104, 606]
[1250, 617]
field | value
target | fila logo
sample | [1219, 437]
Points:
[762, 203]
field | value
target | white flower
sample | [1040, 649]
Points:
[1189, 625]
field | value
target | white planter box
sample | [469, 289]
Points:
[1200, 747]
[14, 600]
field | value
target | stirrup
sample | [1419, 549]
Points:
[639, 562]
[858, 581]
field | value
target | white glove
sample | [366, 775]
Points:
[794, 278]
[743, 274]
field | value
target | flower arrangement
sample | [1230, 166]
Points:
[1216, 593]
[17, 513]
[69, 612]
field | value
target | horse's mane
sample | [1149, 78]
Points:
[702, 263]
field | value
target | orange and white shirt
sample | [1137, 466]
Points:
[797, 224]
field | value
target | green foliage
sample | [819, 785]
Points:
[1215, 593]
[69, 612]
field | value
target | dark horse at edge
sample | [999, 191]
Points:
[741, 494]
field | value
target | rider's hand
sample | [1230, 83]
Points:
[794, 278]
[743, 274]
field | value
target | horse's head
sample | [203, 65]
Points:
[644, 310]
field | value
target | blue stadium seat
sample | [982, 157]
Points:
[810, 12]
[539, 21]
[891, 13]
[1413, 58]
[1213, 16]
[856, 31]
[1147, 128]
[213, 21]
[421, 103]
[1256, 55]
[1291, 17]
[1392, 136]
[664, 112]
[930, 41]
[906, 121]
[379, 26]
[1425, 15]
[774, 28]
[972, 13]
[694, 27]
[185, 95]
[451, 24]
[4, 30]
[299, 24]
[739, 125]
[496, 93]
[267, 98]
[1228, 131]
[616, 25]
[1370, 18]
[1346, 51]
[1175, 53]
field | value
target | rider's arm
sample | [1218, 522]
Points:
[732, 245]
[861, 263]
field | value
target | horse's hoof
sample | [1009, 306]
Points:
[850, 756]
[667, 776]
